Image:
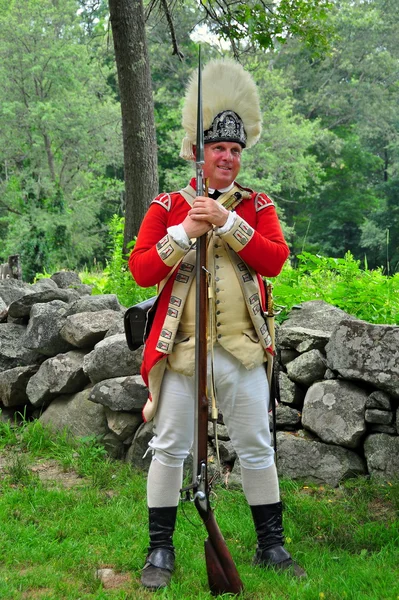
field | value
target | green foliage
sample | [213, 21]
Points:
[367, 294]
[60, 136]
[7, 433]
[352, 92]
[92, 461]
[119, 280]
[268, 26]
[97, 279]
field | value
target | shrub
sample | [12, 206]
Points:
[367, 294]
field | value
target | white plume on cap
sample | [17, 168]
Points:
[225, 86]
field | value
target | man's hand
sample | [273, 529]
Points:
[195, 229]
[207, 209]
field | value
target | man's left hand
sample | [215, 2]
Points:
[207, 209]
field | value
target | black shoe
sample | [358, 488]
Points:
[160, 560]
[278, 558]
[158, 569]
[270, 553]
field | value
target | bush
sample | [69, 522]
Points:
[119, 280]
[367, 294]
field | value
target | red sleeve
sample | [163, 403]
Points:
[145, 263]
[267, 251]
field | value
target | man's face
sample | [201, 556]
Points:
[222, 163]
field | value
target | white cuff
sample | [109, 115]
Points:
[228, 225]
[179, 236]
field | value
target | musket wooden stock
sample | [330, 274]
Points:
[223, 576]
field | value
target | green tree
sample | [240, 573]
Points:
[60, 131]
[352, 91]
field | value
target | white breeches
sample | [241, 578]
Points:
[243, 399]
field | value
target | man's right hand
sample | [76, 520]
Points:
[195, 229]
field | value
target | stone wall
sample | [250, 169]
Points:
[64, 360]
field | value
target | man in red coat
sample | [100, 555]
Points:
[245, 243]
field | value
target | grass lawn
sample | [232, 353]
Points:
[66, 512]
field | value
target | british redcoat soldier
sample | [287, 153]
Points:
[245, 243]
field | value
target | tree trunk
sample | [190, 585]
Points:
[139, 141]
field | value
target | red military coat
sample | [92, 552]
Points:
[265, 252]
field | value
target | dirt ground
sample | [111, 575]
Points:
[47, 470]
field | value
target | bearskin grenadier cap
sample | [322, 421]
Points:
[231, 111]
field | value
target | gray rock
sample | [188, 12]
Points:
[66, 279]
[121, 393]
[113, 446]
[389, 429]
[45, 324]
[227, 452]
[287, 417]
[124, 425]
[310, 460]
[86, 329]
[315, 315]
[13, 384]
[23, 306]
[382, 456]
[83, 289]
[77, 414]
[112, 358]
[72, 295]
[307, 368]
[69, 280]
[329, 374]
[302, 339]
[334, 410]
[12, 289]
[286, 355]
[94, 303]
[43, 284]
[117, 327]
[13, 351]
[62, 374]
[370, 353]
[138, 454]
[379, 417]
[290, 392]
[3, 310]
[379, 400]
[221, 430]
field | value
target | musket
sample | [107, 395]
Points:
[223, 576]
